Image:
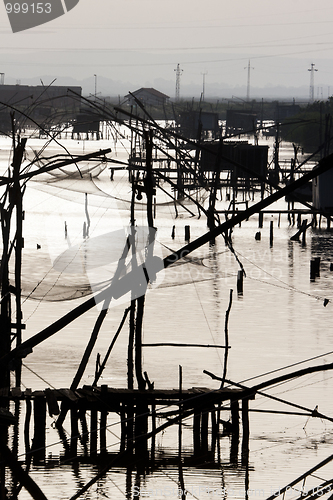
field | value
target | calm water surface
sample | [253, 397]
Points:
[280, 320]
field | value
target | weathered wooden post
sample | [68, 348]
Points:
[314, 268]
[317, 266]
[74, 431]
[130, 428]
[141, 428]
[299, 219]
[234, 406]
[271, 233]
[18, 195]
[27, 422]
[39, 439]
[234, 431]
[103, 420]
[261, 220]
[84, 428]
[196, 431]
[246, 431]
[240, 276]
[204, 431]
[180, 423]
[93, 431]
[153, 429]
[215, 429]
[304, 233]
[123, 427]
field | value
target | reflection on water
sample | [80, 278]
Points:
[279, 321]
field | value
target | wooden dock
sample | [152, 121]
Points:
[139, 412]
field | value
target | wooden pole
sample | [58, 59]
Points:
[103, 421]
[240, 276]
[204, 431]
[180, 413]
[130, 365]
[27, 425]
[271, 233]
[5, 306]
[215, 429]
[246, 431]
[87, 214]
[74, 432]
[103, 364]
[93, 432]
[153, 429]
[138, 343]
[226, 339]
[123, 428]
[261, 220]
[17, 161]
[214, 187]
[234, 405]
[196, 431]
[39, 440]
[84, 428]
[180, 423]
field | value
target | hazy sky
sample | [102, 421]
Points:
[142, 41]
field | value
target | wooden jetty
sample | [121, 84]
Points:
[138, 411]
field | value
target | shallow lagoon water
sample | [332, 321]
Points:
[279, 321]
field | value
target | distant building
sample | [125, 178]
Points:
[190, 122]
[147, 96]
[52, 104]
[253, 158]
[239, 121]
[33, 97]
[284, 111]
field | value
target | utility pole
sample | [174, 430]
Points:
[248, 80]
[178, 75]
[203, 85]
[312, 70]
[95, 86]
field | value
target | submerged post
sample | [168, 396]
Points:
[39, 440]
[246, 431]
[271, 233]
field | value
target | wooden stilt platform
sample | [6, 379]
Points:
[138, 411]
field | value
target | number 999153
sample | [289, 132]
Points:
[25, 8]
